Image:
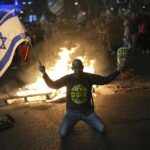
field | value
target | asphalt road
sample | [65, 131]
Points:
[126, 115]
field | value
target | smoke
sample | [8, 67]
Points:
[48, 54]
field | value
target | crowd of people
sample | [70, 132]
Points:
[106, 31]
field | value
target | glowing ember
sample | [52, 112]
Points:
[61, 68]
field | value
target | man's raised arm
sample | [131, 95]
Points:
[50, 83]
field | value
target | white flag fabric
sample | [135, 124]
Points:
[12, 33]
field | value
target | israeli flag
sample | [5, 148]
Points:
[12, 33]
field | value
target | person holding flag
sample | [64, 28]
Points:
[79, 100]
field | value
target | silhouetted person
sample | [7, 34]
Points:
[79, 101]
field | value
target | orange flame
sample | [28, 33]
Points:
[61, 68]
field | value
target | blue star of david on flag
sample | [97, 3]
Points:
[2, 43]
[12, 34]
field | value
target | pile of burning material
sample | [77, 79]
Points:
[56, 96]
[39, 92]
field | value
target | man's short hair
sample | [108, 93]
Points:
[77, 63]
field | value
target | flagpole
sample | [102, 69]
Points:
[26, 54]
[36, 55]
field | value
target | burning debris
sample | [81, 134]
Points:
[38, 91]
[60, 68]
